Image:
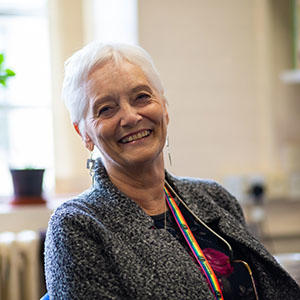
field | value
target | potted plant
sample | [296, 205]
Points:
[27, 182]
[27, 185]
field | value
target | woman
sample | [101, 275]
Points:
[139, 232]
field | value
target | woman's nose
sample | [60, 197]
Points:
[129, 116]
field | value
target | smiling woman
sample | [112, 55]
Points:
[126, 118]
[139, 232]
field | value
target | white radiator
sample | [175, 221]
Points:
[20, 266]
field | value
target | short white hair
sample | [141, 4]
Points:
[97, 54]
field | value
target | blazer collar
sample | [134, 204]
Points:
[206, 208]
[203, 207]
[116, 204]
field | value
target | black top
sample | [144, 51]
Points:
[234, 278]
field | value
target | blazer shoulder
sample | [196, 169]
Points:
[79, 209]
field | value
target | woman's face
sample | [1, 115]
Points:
[126, 118]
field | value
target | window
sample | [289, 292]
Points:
[25, 105]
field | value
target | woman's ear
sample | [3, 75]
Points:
[167, 117]
[89, 144]
[166, 111]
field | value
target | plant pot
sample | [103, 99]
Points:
[27, 185]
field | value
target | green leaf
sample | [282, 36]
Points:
[4, 73]
[10, 72]
[2, 81]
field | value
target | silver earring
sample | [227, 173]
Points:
[169, 152]
[90, 162]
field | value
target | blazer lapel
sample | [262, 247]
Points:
[207, 209]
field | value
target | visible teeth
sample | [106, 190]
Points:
[135, 137]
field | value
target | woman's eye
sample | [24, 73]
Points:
[105, 111]
[143, 97]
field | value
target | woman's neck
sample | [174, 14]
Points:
[143, 184]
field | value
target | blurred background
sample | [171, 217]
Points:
[231, 73]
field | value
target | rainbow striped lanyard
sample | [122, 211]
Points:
[196, 250]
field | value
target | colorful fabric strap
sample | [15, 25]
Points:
[196, 250]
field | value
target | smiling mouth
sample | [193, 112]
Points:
[136, 136]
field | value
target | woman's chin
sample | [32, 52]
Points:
[141, 158]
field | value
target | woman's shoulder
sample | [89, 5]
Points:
[78, 209]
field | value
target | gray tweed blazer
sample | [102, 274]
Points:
[100, 245]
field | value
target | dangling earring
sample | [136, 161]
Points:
[169, 152]
[90, 162]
